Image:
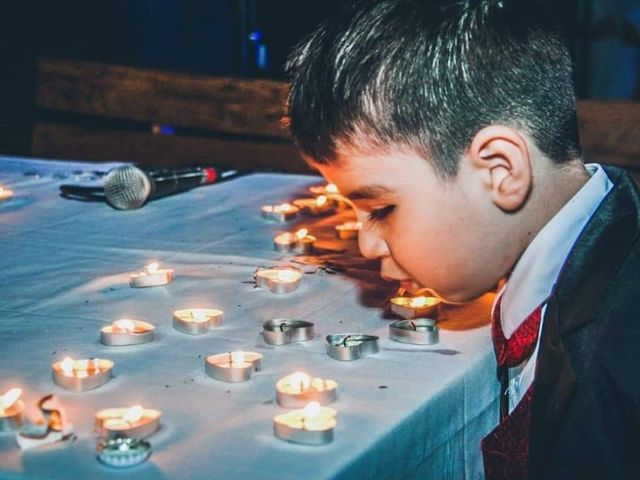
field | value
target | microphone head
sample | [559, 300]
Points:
[126, 187]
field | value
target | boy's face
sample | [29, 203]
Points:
[427, 232]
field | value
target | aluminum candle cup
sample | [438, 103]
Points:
[415, 307]
[281, 331]
[5, 194]
[126, 332]
[314, 206]
[280, 213]
[299, 242]
[233, 367]
[312, 425]
[81, 375]
[123, 452]
[152, 276]
[278, 280]
[11, 409]
[420, 331]
[298, 389]
[196, 321]
[348, 230]
[134, 422]
[348, 347]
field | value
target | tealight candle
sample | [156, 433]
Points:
[281, 331]
[299, 242]
[278, 280]
[298, 389]
[134, 422]
[332, 193]
[152, 276]
[126, 332]
[312, 425]
[81, 375]
[420, 331]
[314, 206]
[348, 230]
[11, 409]
[233, 366]
[196, 321]
[280, 213]
[5, 194]
[348, 347]
[415, 307]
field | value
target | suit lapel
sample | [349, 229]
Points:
[574, 303]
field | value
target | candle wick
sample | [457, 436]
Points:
[283, 326]
[415, 329]
[344, 342]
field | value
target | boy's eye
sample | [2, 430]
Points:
[379, 214]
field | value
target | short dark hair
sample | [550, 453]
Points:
[428, 75]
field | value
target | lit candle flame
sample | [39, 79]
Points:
[321, 200]
[152, 268]
[198, 315]
[311, 411]
[124, 325]
[67, 366]
[299, 381]
[331, 188]
[422, 301]
[236, 358]
[9, 398]
[133, 414]
[302, 233]
[285, 207]
[286, 276]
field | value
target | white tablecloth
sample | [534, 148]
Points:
[407, 412]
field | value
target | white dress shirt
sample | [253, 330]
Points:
[536, 272]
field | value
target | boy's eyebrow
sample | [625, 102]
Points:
[369, 192]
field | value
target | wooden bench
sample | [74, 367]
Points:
[90, 111]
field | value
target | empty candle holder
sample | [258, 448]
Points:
[298, 389]
[348, 230]
[415, 307]
[300, 242]
[133, 422]
[278, 280]
[81, 375]
[419, 331]
[281, 331]
[123, 452]
[312, 425]
[233, 367]
[151, 276]
[348, 347]
[11, 408]
[126, 332]
[196, 321]
[280, 213]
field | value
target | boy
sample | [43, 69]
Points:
[451, 126]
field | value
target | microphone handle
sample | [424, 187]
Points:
[168, 181]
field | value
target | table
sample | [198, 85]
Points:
[407, 412]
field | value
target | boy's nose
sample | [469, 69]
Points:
[371, 244]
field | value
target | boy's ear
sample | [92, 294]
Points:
[501, 155]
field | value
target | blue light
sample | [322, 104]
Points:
[255, 36]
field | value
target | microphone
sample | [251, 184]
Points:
[129, 187]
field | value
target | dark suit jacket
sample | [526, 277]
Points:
[586, 405]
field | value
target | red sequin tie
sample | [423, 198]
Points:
[522, 342]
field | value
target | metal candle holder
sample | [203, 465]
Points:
[126, 332]
[415, 307]
[420, 331]
[11, 409]
[294, 243]
[152, 276]
[296, 427]
[97, 373]
[123, 452]
[298, 389]
[348, 230]
[196, 321]
[113, 423]
[224, 367]
[281, 331]
[278, 280]
[280, 213]
[348, 347]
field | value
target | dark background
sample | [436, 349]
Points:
[248, 38]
